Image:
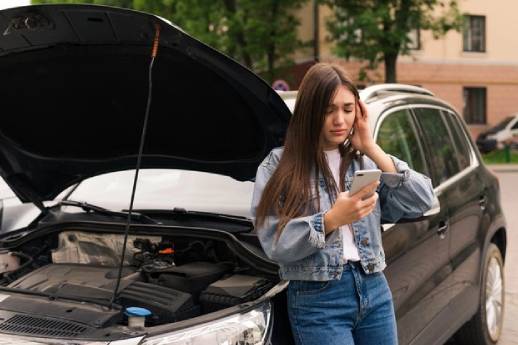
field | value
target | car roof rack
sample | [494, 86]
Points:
[376, 90]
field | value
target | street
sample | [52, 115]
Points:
[509, 186]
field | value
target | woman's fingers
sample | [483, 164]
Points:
[367, 190]
[363, 109]
[367, 206]
[352, 208]
[368, 202]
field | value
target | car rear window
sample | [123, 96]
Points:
[441, 153]
[459, 139]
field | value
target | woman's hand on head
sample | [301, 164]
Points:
[362, 139]
[350, 208]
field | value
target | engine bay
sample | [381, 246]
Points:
[66, 281]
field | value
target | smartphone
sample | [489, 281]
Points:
[362, 178]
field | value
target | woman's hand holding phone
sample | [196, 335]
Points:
[350, 208]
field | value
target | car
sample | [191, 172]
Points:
[185, 266]
[496, 137]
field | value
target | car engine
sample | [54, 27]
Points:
[71, 291]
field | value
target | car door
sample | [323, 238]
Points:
[417, 250]
[447, 176]
[466, 203]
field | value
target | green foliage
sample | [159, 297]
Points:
[378, 30]
[258, 33]
[499, 157]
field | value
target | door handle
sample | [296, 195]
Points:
[482, 202]
[441, 230]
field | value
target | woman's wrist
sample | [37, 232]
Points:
[371, 150]
[329, 221]
[382, 160]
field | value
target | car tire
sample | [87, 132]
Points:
[486, 326]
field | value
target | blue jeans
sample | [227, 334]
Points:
[355, 310]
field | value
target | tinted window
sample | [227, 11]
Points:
[459, 139]
[397, 137]
[441, 152]
[475, 105]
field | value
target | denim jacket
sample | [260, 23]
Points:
[304, 252]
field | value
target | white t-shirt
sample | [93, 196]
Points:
[349, 247]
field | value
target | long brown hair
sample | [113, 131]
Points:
[288, 191]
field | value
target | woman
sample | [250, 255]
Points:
[327, 242]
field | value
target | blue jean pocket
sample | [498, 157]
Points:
[307, 287]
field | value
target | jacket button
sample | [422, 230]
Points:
[370, 267]
[365, 242]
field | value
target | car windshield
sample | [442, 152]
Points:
[167, 189]
[501, 125]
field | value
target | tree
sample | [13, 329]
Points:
[379, 30]
[261, 34]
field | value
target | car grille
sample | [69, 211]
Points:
[24, 324]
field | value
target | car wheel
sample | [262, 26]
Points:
[486, 326]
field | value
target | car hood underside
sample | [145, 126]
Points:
[74, 90]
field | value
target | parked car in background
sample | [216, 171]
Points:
[75, 86]
[445, 270]
[506, 131]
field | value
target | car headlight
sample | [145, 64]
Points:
[250, 328]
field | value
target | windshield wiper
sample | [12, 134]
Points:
[180, 211]
[101, 210]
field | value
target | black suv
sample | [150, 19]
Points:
[75, 90]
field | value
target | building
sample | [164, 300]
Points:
[475, 70]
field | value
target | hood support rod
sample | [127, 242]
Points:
[154, 52]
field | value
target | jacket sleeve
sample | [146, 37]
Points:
[301, 237]
[405, 194]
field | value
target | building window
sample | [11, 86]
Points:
[474, 33]
[475, 105]
[414, 37]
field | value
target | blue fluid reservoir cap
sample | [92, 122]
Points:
[136, 311]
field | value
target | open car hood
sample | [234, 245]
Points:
[74, 91]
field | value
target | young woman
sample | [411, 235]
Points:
[327, 242]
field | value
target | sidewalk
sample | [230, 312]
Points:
[503, 167]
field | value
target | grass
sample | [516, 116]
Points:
[498, 157]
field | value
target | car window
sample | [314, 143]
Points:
[459, 139]
[515, 126]
[441, 153]
[397, 136]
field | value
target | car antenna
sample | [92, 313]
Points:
[154, 52]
